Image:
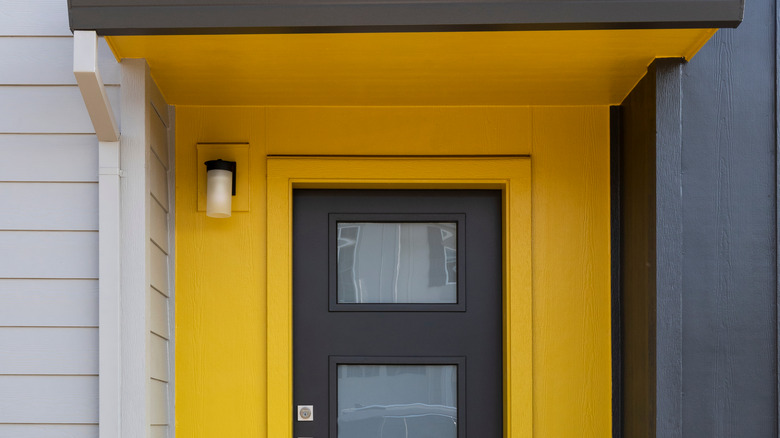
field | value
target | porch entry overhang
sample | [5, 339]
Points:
[575, 67]
[365, 52]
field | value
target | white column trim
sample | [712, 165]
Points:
[134, 232]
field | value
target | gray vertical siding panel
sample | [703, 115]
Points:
[777, 200]
[729, 272]
[715, 233]
[668, 238]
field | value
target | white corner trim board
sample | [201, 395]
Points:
[85, 68]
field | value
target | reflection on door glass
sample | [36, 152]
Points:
[397, 262]
[397, 401]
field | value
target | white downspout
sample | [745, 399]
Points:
[94, 93]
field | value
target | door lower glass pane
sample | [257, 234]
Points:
[397, 401]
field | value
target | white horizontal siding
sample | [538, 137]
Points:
[48, 157]
[48, 242]
[53, 303]
[158, 322]
[48, 431]
[159, 181]
[158, 267]
[49, 61]
[158, 432]
[49, 206]
[34, 17]
[49, 399]
[159, 105]
[158, 392]
[48, 109]
[51, 254]
[39, 350]
[159, 225]
[158, 349]
[159, 138]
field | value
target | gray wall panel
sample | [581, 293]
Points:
[668, 241]
[715, 194]
[729, 281]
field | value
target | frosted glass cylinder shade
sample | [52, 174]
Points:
[219, 194]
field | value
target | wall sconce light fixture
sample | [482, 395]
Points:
[221, 187]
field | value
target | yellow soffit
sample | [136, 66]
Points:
[579, 67]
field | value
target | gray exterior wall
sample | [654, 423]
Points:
[128, 17]
[708, 135]
[48, 227]
[729, 270]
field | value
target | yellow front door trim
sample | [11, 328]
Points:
[511, 175]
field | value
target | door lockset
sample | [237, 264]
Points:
[305, 413]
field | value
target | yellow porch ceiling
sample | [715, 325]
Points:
[448, 68]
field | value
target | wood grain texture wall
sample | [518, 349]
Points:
[220, 270]
[701, 252]
[729, 277]
[48, 228]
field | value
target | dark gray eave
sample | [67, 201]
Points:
[160, 17]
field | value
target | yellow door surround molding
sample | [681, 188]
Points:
[510, 175]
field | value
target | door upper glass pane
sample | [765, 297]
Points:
[398, 262]
[397, 401]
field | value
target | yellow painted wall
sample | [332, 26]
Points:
[220, 264]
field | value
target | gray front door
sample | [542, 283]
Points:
[397, 318]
